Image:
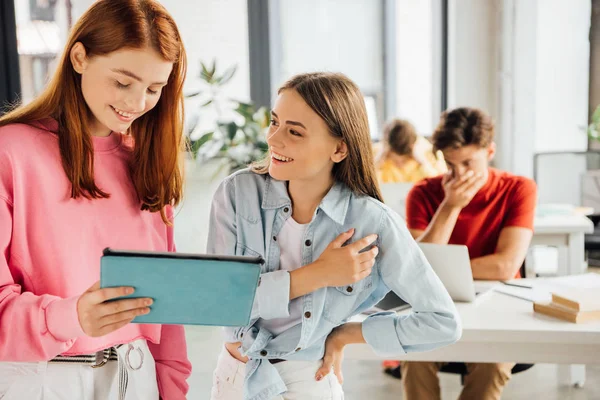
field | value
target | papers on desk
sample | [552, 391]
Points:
[542, 288]
[583, 281]
[533, 295]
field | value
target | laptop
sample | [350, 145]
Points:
[456, 275]
[452, 264]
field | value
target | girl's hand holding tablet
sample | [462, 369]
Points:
[98, 316]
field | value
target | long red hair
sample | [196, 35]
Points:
[108, 26]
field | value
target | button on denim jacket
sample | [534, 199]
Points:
[247, 213]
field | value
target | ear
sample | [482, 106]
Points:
[78, 57]
[341, 152]
[491, 151]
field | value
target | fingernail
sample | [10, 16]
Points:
[319, 377]
[129, 290]
[148, 302]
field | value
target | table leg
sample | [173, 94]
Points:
[575, 264]
[572, 375]
[563, 263]
[576, 254]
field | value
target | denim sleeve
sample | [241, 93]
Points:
[272, 298]
[434, 321]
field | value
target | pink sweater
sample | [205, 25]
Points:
[50, 248]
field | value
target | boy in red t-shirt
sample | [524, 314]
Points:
[489, 211]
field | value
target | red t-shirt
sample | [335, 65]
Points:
[505, 200]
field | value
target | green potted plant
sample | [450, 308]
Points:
[236, 135]
[593, 129]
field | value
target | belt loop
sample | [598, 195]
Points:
[42, 366]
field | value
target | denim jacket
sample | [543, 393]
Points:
[247, 213]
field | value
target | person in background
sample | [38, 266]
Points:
[488, 210]
[404, 156]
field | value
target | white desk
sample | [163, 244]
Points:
[565, 232]
[500, 328]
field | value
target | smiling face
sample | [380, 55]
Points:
[301, 147]
[120, 86]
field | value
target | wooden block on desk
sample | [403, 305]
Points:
[564, 313]
[578, 299]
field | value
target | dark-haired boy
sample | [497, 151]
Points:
[489, 211]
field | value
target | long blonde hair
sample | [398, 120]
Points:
[339, 102]
[108, 26]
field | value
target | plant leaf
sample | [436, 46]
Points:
[251, 131]
[205, 138]
[193, 94]
[205, 73]
[227, 75]
[214, 67]
[197, 144]
[228, 129]
[263, 146]
[246, 110]
[596, 116]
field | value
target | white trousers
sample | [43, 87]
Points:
[298, 376]
[60, 381]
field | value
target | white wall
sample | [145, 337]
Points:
[22, 11]
[215, 29]
[518, 121]
[544, 70]
[335, 35]
[352, 28]
[472, 54]
[415, 69]
[562, 74]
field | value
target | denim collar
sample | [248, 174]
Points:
[334, 204]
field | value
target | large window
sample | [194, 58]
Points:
[393, 49]
[42, 26]
[335, 35]
[420, 67]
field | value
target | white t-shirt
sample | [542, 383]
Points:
[291, 240]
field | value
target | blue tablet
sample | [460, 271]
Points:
[187, 289]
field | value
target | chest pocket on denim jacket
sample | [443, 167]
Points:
[242, 250]
[342, 300]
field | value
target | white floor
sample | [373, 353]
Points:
[365, 380]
